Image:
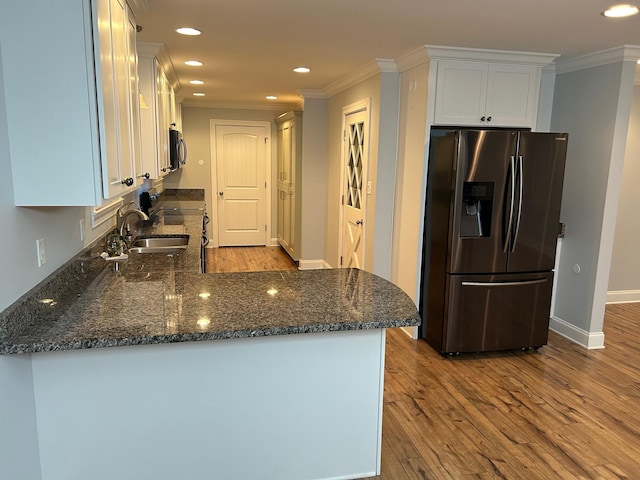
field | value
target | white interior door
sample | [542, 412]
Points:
[354, 192]
[241, 154]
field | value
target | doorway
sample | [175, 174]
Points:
[241, 193]
[355, 158]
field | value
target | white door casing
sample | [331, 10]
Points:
[240, 171]
[354, 178]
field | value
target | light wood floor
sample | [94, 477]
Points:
[248, 259]
[561, 413]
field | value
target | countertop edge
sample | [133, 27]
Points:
[17, 348]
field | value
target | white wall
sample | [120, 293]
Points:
[407, 227]
[624, 278]
[314, 180]
[196, 128]
[593, 105]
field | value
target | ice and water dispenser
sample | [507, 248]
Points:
[475, 218]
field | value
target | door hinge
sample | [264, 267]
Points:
[265, 227]
[265, 140]
[265, 184]
[340, 260]
[342, 200]
[344, 135]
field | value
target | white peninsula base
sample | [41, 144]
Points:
[305, 406]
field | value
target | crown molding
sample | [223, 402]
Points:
[374, 67]
[312, 93]
[275, 107]
[624, 53]
[413, 58]
[483, 55]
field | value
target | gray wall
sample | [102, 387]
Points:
[314, 179]
[196, 128]
[624, 278]
[593, 105]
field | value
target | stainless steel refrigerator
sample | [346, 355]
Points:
[491, 226]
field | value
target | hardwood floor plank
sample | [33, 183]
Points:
[562, 412]
[248, 259]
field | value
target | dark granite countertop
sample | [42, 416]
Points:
[155, 298]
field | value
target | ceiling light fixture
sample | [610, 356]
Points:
[198, 94]
[193, 63]
[196, 82]
[271, 97]
[188, 31]
[302, 70]
[622, 10]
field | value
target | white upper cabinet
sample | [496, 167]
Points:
[486, 88]
[119, 100]
[476, 93]
[73, 135]
[156, 115]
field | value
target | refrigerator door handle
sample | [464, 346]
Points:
[507, 235]
[520, 187]
[502, 284]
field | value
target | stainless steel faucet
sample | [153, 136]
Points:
[122, 217]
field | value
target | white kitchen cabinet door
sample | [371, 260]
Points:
[512, 95]
[154, 124]
[118, 102]
[461, 92]
[163, 99]
[470, 93]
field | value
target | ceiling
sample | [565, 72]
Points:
[249, 47]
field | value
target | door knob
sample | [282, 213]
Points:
[221, 193]
[358, 222]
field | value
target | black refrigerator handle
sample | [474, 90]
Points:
[512, 175]
[520, 177]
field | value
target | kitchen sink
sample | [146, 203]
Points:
[159, 244]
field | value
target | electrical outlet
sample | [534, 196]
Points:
[82, 229]
[40, 250]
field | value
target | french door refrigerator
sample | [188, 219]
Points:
[491, 226]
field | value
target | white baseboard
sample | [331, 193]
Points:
[623, 296]
[274, 242]
[312, 264]
[588, 340]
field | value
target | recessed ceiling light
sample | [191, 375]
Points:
[302, 70]
[622, 10]
[196, 82]
[193, 63]
[198, 94]
[188, 31]
[271, 97]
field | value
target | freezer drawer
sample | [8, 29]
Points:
[496, 312]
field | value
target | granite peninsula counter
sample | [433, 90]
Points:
[275, 375]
